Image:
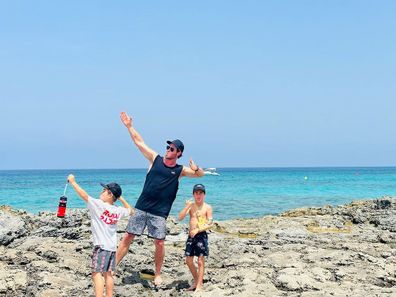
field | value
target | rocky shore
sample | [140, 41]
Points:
[347, 250]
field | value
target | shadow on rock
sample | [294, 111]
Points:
[134, 278]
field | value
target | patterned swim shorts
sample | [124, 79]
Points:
[198, 245]
[156, 225]
[102, 260]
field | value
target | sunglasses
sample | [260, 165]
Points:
[172, 149]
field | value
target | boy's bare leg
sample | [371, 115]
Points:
[193, 269]
[98, 283]
[159, 260]
[109, 281]
[123, 247]
[201, 269]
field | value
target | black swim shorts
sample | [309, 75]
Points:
[198, 245]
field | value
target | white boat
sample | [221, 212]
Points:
[210, 171]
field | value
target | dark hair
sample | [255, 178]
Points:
[177, 150]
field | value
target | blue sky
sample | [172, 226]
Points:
[242, 83]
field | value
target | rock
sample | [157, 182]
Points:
[348, 250]
[11, 227]
[292, 279]
[173, 227]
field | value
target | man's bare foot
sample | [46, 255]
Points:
[192, 288]
[157, 280]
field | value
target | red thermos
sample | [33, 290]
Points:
[62, 207]
[62, 204]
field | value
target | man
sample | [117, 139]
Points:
[158, 195]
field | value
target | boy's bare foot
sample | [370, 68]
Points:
[157, 280]
[198, 291]
[192, 288]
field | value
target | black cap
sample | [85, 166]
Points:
[114, 188]
[177, 143]
[199, 187]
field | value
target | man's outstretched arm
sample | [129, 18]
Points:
[193, 171]
[137, 139]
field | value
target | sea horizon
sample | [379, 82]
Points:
[227, 167]
[237, 192]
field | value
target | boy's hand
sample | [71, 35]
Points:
[125, 119]
[189, 203]
[71, 179]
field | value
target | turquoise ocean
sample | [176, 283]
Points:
[235, 193]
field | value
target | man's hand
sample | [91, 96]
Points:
[125, 119]
[71, 179]
[137, 138]
[193, 166]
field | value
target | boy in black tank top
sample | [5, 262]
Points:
[159, 192]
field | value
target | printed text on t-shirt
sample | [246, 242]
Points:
[109, 218]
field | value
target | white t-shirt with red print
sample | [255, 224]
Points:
[104, 219]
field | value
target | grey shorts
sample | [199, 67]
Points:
[102, 260]
[156, 225]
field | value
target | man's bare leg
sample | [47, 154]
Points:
[159, 260]
[123, 248]
[98, 283]
[201, 270]
[193, 269]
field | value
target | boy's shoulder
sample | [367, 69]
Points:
[93, 200]
[100, 202]
[113, 206]
[208, 205]
[118, 207]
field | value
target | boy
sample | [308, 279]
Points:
[197, 241]
[104, 218]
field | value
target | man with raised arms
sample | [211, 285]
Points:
[158, 195]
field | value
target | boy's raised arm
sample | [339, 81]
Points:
[71, 179]
[126, 205]
[185, 210]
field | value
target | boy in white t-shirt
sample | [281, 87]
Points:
[104, 218]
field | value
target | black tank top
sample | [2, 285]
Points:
[160, 188]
